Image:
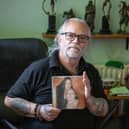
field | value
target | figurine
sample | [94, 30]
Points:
[52, 6]
[124, 17]
[90, 14]
[68, 14]
[51, 16]
[106, 17]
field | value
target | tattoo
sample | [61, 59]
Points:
[98, 106]
[21, 106]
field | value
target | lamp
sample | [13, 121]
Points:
[51, 16]
[119, 66]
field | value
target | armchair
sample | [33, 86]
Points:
[15, 56]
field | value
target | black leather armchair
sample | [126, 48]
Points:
[15, 56]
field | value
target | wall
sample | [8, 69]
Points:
[24, 18]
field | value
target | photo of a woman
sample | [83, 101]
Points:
[67, 96]
[71, 99]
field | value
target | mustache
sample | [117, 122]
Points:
[75, 47]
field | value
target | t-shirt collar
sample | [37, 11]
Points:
[54, 62]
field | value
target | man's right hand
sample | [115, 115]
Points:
[48, 112]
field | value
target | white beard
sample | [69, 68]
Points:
[73, 52]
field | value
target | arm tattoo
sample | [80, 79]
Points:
[21, 106]
[98, 106]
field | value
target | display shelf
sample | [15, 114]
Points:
[98, 36]
[111, 36]
[49, 36]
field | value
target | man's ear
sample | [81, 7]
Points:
[58, 38]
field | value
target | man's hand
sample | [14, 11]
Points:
[87, 86]
[48, 112]
[97, 106]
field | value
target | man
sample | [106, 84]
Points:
[31, 95]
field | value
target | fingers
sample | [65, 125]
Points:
[86, 83]
[85, 79]
[49, 113]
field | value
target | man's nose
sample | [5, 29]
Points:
[76, 39]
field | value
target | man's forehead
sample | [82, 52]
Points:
[78, 26]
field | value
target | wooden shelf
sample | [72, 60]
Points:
[49, 36]
[96, 36]
[117, 97]
[109, 97]
[111, 36]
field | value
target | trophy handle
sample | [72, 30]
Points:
[43, 8]
[51, 17]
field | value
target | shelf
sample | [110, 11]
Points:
[49, 36]
[104, 36]
[109, 97]
[98, 36]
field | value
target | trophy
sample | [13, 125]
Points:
[90, 14]
[68, 14]
[51, 17]
[124, 17]
[106, 17]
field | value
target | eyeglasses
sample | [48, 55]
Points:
[71, 36]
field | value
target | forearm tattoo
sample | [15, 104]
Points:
[21, 106]
[98, 106]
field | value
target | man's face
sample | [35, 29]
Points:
[74, 40]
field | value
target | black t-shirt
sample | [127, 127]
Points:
[35, 85]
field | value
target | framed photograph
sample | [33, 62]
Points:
[68, 92]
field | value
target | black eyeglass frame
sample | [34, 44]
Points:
[85, 37]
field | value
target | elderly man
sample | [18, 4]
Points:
[31, 95]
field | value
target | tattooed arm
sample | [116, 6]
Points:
[26, 108]
[97, 106]
[21, 106]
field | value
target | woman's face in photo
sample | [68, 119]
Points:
[68, 84]
[70, 95]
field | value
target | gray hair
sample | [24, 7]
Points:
[55, 45]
